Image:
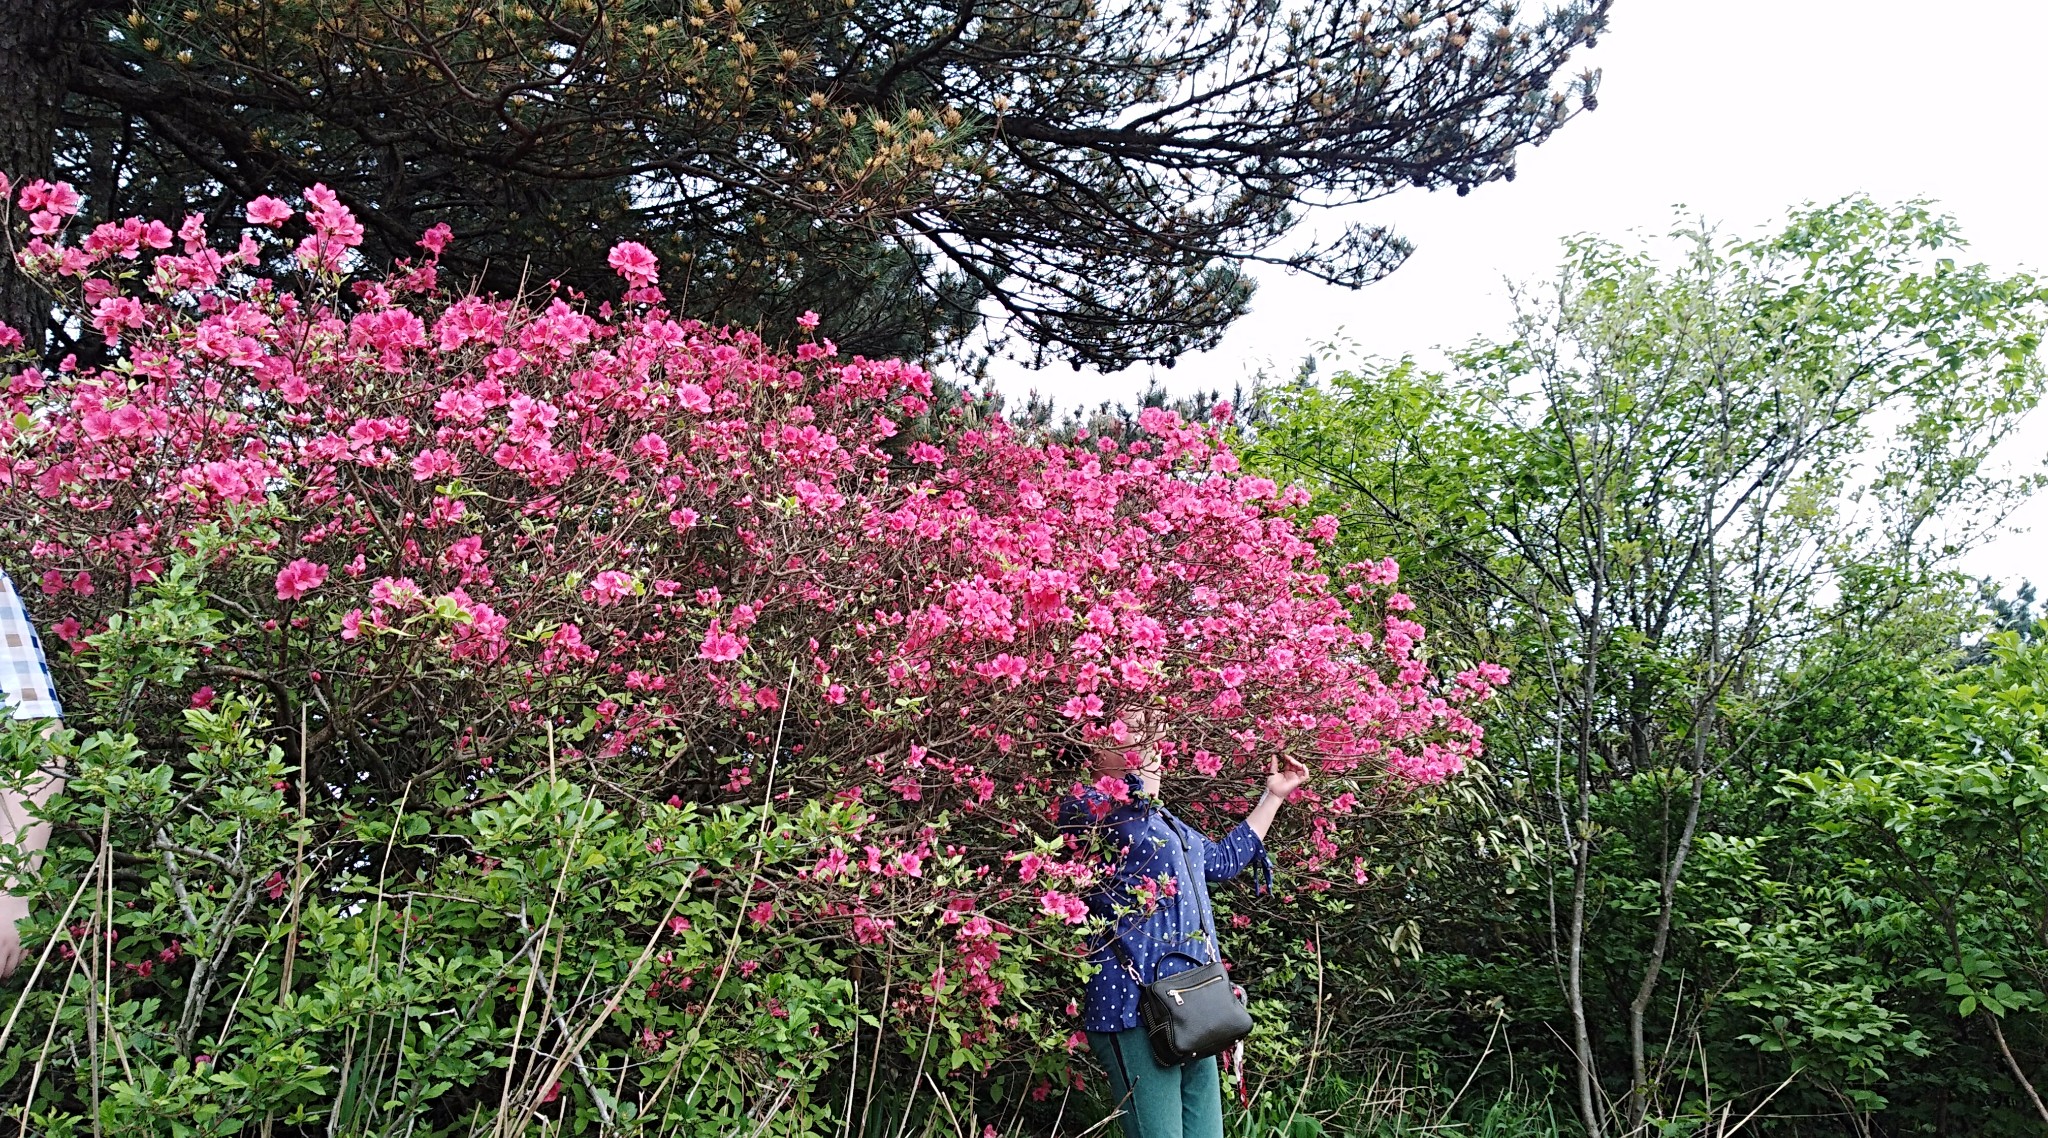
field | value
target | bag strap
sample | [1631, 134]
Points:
[1123, 953]
[1188, 881]
[1191, 881]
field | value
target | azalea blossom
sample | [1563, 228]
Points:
[268, 211]
[299, 578]
[633, 261]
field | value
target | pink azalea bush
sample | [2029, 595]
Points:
[462, 538]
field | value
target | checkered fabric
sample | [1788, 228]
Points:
[25, 679]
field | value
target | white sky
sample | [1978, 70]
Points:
[1737, 109]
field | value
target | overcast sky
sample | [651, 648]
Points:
[1736, 109]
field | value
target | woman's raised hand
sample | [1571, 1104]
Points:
[1286, 777]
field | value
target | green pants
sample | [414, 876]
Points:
[1158, 1102]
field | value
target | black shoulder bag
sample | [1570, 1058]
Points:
[1193, 1014]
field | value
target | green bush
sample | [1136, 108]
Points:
[216, 956]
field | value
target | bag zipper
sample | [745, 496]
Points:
[1175, 992]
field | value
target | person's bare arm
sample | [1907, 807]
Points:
[20, 829]
[1286, 777]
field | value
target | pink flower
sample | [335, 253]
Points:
[396, 592]
[651, 447]
[720, 646]
[1081, 707]
[1028, 867]
[1065, 906]
[299, 578]
[269, 211]
[633, 261]
[807, 321]
[435, 463]
[609, 587]
[203, 698]
[58, 199]
[831, 865]
[436, 239]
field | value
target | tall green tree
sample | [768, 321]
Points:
[1675, 476]
[1098, 173]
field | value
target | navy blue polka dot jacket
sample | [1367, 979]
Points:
[1157, 899]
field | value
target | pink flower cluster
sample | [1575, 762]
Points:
[686, 546]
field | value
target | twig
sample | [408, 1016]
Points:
[533, 974]
[1500, 1015]
[177, 880]
[867, 1098]
[925, 1050]
[1728, 1130]
[49, 947]
[107, 940]
[853, 1076]
[43, 1054]
[604, 1112]
[291, 936]
[732, 944]
[1315, 1040]
[788, 1085]
[206, 972]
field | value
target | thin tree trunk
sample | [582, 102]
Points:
[1638, 1008]
[37, 46]
[2026, 1085]
[1640, 1092]
[1582, 1039]
[1582, 859]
